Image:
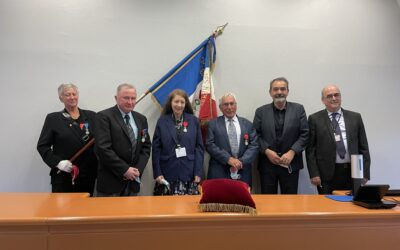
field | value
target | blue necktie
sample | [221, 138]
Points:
[340, 149]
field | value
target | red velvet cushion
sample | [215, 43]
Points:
[226, 191]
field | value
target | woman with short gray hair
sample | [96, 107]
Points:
[63, 134]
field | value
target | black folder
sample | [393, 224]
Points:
[393, 192]
[370, 196]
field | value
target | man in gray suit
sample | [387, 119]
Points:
[335, 134]
[232, 143]
[282, 131]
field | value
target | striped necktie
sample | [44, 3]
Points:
[131, 133]
[340, 149]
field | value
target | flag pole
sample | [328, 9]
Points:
[218, 31]
[143, 96]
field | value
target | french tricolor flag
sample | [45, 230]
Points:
[193, 74]
[204, 101]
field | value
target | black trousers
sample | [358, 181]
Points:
[341, 180]
[275, 175]
[126, 191]
[81, 185]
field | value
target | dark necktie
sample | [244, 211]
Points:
[131, 133]
[232, 135]
[340, 149]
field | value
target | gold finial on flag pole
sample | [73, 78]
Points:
[219, 30]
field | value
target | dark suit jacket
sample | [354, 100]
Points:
[114, 149]
[294, 135]
[60, 139]
[217, 143]
[165, 141]
[321, 149]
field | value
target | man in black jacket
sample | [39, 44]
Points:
[335, 134]
[282, 131]
[122, 145]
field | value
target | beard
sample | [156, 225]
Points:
[279, 99]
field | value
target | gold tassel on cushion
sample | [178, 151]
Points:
[221, 207]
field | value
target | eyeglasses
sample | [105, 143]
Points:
[330, 96]
[226, 104]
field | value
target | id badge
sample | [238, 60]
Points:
[180, 152]
[337, 137]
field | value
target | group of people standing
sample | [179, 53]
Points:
[278, 135]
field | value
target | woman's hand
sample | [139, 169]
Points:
[159, 179]
[197, 179]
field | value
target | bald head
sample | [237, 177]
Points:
[331, 97]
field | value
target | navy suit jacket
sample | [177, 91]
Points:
[114, 149]
[321, 149]
[217, 144]
[165, 141]
[294, 135]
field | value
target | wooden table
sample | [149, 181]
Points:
[75, 221]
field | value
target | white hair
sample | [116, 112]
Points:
[227, 95]
[65, 86]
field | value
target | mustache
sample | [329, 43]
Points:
[279, 96]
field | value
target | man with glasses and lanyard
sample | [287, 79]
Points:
[335, 134]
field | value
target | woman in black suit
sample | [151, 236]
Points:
[177, 149]
[63, 134]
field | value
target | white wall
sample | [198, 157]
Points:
[99, 44]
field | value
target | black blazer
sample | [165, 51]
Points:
[321, 149]
[114, 149]
[294, 135]
[61, 138]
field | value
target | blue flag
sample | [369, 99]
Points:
[186, 75]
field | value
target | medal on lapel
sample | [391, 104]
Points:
[185, 124]
[86, 126]
[246, 139]
[143, 134]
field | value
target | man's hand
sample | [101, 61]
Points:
[316, 181]
[273, 156]
[233, 162]
[287, 158]
[131, 173]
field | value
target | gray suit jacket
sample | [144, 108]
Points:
[321, 149]
[294, 136]
[218, 147]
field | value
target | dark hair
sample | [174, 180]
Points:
[168, 106]
[283, 79]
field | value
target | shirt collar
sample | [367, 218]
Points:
[123, 113]
[340, 112]
[234, 119]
